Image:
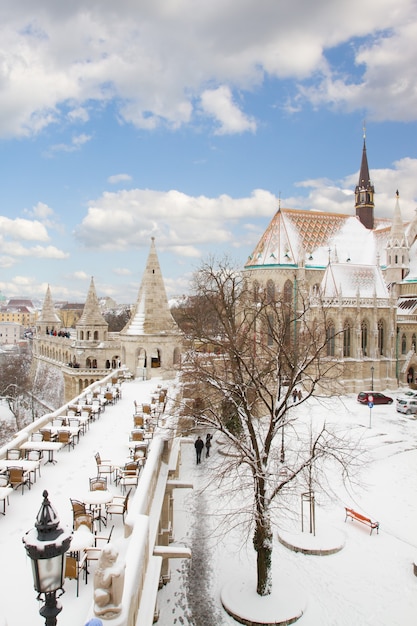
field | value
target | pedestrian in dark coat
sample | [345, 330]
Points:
[198, 445]
[208, 444]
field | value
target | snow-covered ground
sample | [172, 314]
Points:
[369, 582]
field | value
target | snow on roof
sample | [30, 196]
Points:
[351, 280]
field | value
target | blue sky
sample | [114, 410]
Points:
[187, 121]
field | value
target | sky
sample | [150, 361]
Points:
[369, 581]
[190, 122]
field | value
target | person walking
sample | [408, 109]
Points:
[208, 444]
[198, 445]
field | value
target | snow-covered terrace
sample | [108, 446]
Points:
[69, 478]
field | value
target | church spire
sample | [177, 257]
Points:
[151, 313]
[49, 319]
[92, 325]
[398, 251]
[364, 192]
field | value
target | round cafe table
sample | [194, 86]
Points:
[95, 500]
[81, 538]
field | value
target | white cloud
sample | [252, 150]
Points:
[218, 103]
[122, 271]
[158, 60]
[20, 228]
[116, 221]
[76, 143]
[118, 178]
[79, 275]
[338, 197]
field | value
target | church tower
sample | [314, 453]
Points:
[151, 340]
[364, 193]
[91, 327]
[398, 251]
[49, 320]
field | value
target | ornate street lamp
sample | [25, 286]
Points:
[46, 545]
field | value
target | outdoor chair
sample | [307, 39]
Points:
[83, 519]
[19, 478]
[98, 483]
[57, 422]
[74, 568]
[47, 435]
[137, 435]
[118, 506]
[93, 553]
[37, 436]
[13, 454]
[104, 467]
[138, 421]
[66, 438]
[129, 475]
[35, 455]
[4, 482]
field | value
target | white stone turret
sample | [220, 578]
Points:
[151, 340]
[397, 248]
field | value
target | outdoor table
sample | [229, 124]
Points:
[28, 466]
[81, 538]
[95, 500]
[45, 446]
[73, 430]
[4, 495]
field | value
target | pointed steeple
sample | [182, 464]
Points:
[151, 314]
[49, 318]
[91, 325]
[398, 250]
[364, 192]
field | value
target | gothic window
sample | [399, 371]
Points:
[381, 338]
[256, 291]
[364, 338]
[96, 335]
[403, 344]
[270, 291]
[270, 330]
[330, 339]
[288, 289]
[413, 342]
[346, 340]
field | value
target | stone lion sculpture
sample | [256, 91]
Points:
[108, 583]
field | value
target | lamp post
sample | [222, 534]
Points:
[46, 545]
[372, 378]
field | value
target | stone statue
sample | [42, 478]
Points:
[108, 583]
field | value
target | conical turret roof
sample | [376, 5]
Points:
[91, 315]
[48, 315]
[151, 314]
[397, 236]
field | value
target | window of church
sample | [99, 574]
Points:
[270, 291]
[381, 337]
[364, 338]
[403, 344]
[330, 339]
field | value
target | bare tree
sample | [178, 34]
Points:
[251, 351]
[14, 385]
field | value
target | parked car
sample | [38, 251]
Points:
[407, 406]
[378, 397]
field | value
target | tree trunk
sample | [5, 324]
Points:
[262, 542]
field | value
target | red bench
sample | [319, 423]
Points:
[361, 518]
